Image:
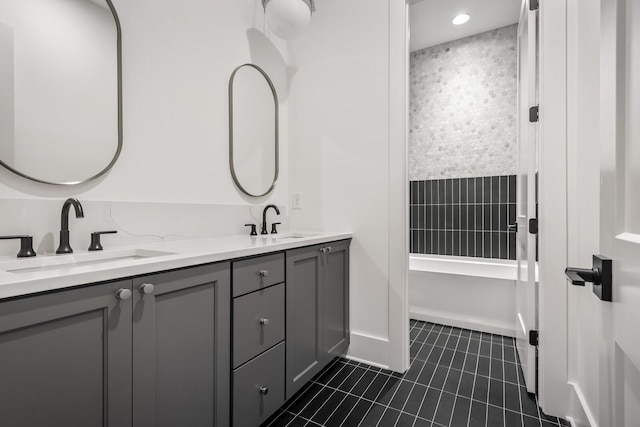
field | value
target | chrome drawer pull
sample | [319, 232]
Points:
[263, 390]
[264, 321]
[147, 288]
[264, 273]
[123, 294]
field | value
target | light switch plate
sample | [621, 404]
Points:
[296, 200]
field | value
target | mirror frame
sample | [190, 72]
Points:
[119, 148]
[277, 131]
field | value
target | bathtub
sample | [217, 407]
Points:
[473, 293]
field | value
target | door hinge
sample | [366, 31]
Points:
[534, 114]
[533, 338]
[534, 4]
[533, 226]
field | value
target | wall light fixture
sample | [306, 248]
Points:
[288, 18]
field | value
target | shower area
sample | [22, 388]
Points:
[463, 162]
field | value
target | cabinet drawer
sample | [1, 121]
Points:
[250, 336]
[251, 407]
[256, 273]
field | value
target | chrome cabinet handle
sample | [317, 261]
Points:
[264, 321]
[264, 273]
[123, 294]
[323, 250]
[329, 248]
[147, 288]
[263, 390]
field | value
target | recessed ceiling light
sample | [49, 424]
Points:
[460, 19]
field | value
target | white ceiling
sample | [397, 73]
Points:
[431, 25]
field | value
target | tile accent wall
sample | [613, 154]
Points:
[463, 107]
[464, 217]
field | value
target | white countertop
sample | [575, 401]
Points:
[15, 280]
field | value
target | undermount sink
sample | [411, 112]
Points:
[85, 259]
[292, 236]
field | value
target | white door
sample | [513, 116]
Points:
[526, 287]
[620, 200]
[604, 337]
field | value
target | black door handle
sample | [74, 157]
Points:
[600, 275]
[578, 276]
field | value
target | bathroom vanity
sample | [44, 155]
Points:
[205, 332]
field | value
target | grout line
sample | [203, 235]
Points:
[486, 422]
[519, 390]
[427, 385]
[315, 396]
[437, 331]
[414, 383]
[455, 400]
[363, 393]
[445, 381]
[387, 406]
[475, 376]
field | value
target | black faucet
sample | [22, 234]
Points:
[264, 217]
[26, 245]
[64, 247]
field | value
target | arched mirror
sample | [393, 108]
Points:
[253, 130]
[60, 89]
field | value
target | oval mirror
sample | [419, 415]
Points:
[60, 89]
[253, 130]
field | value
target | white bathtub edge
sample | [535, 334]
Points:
[449, 318]
[475, 267]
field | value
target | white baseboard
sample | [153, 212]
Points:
[582, 415]
[572, 422]
[369, 349]
[452, 319]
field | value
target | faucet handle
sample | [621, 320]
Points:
[26, 245]
[253, 229]
[274, 230]
[95, 239]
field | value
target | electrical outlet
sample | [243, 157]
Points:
[296, 200]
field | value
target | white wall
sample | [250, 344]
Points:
[177, 60]
[343, 159]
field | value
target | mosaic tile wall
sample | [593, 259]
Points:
[463, 107]
[464, 217]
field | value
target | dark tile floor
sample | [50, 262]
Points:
[457, 377]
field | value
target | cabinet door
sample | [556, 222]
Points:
[181, 357]
[304, 316]
[65, 358]
[336, 299]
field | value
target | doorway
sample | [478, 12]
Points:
[470, 94]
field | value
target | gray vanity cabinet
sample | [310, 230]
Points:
[317, 310]
[181, 340]
[258, 388]
[65, 358]
[146, 351]
[336, 300]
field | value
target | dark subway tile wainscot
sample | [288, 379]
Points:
[463, 217]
